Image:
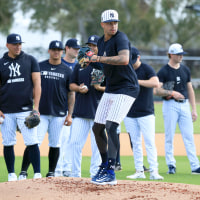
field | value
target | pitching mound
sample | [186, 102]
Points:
[81, 188]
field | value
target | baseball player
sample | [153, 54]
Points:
[55, 92]
[87, 99]
[63, 167]
[121, 90]
[140, 119]
[176, 106]
[19, 79]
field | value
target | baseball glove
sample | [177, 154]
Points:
[33, 119]
[168, 86]
[97, 77]
[84, 52]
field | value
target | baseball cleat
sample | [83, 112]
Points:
[118, 167]
[137, 175]
[172, 169]
[155, 176]
[196, 171]
[12, 177]
[37, 175]
[105, 179]
[23, 175]
[50, 174]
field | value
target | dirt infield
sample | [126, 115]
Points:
[125, 149]
[81, 189]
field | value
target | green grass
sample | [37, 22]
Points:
[183, 174]
[159, 123]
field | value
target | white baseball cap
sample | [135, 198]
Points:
[109, 16]
[176, 49]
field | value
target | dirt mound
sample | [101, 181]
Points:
[81, 188]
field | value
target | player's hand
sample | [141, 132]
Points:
[177, 95]
[194, 116]
[83, 88]
[68, 120]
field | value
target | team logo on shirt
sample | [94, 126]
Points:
[14, 72]
[52, 75]
[178, 79]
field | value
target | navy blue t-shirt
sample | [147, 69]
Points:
[180, 77]
[143, 105]
[85, 104]
[55, 86]
[120, 79]
[16, 85]
[70, 65]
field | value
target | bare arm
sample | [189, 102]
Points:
[78, 88]
[99, 87]
[191, 96]
[36, 78]
[121, 59]
[151, 83]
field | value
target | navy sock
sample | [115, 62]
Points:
[104, 157]
[53, 158]
[26, 161]
[9, 157]
[34, 156]
[111, 165]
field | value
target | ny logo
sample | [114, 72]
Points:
[111, 15]
[14, 70]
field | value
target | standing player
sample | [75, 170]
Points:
[176, 107]
[121, 91]
[63, 167]
[87, 99]
[55, 87]
[19, 79]
[141, 120]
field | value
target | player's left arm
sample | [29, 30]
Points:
[36, 78]
[121, 59]
[191, 96]
[71, 101]
[153, 82]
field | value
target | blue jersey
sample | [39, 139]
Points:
[55, 87]
[85, 104]
[143, 104]
[180, 77]
[16, 86]
[70, 65]
[120, 79]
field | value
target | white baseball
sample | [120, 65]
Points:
[84, 86]
[1, 120]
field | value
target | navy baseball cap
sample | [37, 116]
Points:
[134, 53]
[109, 16]
[14, 39]
[55, 44]
[93, 39]
[73, 43]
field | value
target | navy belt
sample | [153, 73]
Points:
[180, 100]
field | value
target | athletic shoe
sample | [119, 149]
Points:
[37, 175]
[145, 169]
[50, 174]
[12, 177]
[58, 173]
[66, 173]
[102, 169]
[118, 167]
[172, 169]
[155, 176]
[23, 175]
[196, 171]
[105, 178]
[138, 174]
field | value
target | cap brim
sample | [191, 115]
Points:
[111, 20]
[91, 43]
[182, 53]
[76, 47]
[15, 42]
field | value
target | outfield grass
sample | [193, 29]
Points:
[183, 174]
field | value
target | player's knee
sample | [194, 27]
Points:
[111, 127]
[98, 128]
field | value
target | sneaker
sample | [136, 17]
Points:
[118, 167]
[138, 174]
[66, 173]
[50, 174]
[105, 178]
[155, 176]
[58, 174]
[172, 169]
[196, 171]
[102, 169]
[37, 175]
[145, 169]
[23, 175]
[12, 177]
